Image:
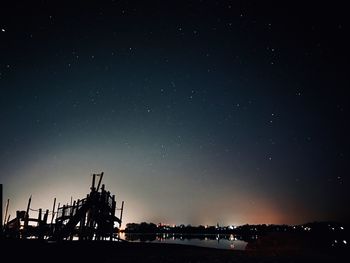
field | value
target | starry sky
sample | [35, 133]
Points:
[198, 112]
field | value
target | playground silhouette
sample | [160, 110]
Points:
[90, 218]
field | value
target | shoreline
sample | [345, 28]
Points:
[107, 251]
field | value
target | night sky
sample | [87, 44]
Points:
[198, 112]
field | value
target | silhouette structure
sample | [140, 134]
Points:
[90, 218]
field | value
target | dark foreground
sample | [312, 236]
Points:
[105, 251]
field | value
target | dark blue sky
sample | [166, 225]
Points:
[197, 111]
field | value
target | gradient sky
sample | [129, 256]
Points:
[198, 112]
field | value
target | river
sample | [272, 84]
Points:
[231, 242]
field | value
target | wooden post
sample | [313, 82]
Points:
[121, 214]
[99, 182]
[39, 225]
[45, 216]
[6, 210]
[72, 209]
[72, 213]
[43, 229]
[63, 211]
[82, 225]
[93, 182]
[53, 210]
[58, 207]
[28, 205]
[39, 216]
[113, 206]
[26, 218]
[107, 198]
[112, 215]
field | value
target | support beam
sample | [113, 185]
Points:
[26, 218]
[40, 225]
[45, 216]
[93, 182]
[121, 214]
[39, 216]
[6, 211]
[99, 182]
[53, 210]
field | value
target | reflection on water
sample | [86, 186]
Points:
[202, 240]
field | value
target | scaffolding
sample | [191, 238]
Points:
[90, 218]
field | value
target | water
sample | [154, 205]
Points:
[213, 241]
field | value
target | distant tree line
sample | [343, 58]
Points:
[322, 234]
[316, 227]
